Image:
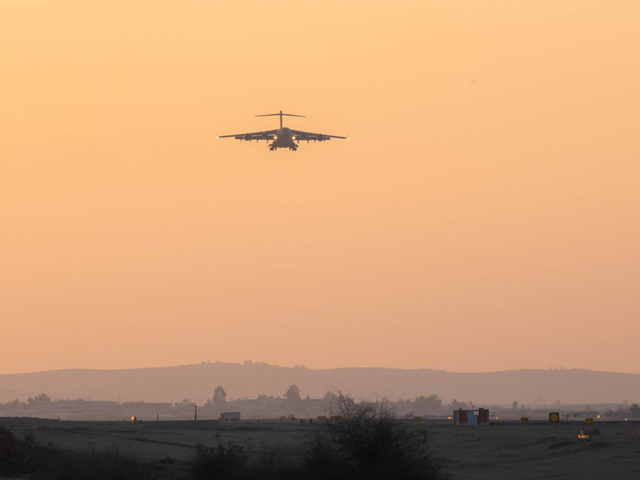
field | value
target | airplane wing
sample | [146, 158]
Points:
[316, 137]
[266, 135]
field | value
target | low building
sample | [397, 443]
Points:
[479, 417]
[230, 416]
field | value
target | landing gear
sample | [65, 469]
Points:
[272, 148]
[294, 149]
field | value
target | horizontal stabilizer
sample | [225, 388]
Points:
[280, 114]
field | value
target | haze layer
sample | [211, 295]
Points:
[483, 215]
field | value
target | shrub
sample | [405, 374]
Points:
[113, 464]
[365, 441]
[218, 462]
[16, 456]
[361, 441]
[28, 456]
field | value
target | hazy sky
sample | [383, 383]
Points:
[484, 215]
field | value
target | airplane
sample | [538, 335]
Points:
[284, 137]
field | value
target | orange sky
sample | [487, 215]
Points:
[484, 214]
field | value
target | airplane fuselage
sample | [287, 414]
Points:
[284, 139]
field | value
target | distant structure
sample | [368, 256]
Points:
[230, 416]
[479, 417]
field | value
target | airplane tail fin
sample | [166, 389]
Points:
[280, 115]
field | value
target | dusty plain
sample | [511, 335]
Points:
[500, 451]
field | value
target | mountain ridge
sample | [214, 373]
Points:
[197, 382]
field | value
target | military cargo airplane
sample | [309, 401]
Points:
[284, 137]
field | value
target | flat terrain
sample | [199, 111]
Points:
[500, 451]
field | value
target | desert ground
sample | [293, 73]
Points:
[500, 451]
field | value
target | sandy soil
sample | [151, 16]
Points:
[500, 451]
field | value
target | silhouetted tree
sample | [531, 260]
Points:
[219, 397]
[330, 397]
[403, 406]
[456, 405]
[432, 403]
[365, 441]
[39, 399]
[293, 393]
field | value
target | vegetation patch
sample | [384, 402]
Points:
[360, 441]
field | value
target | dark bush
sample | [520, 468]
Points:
[16, 455]
[273, 466]
[365, 441]
[234, 463]
[361, 441]
[110, 464]
[113, 464]
[218, 462]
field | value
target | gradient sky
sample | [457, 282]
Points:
[484, 215]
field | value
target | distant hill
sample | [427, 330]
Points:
[197, 382]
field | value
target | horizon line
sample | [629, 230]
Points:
[250, 363]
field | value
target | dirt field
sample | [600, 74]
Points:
[500, 451]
